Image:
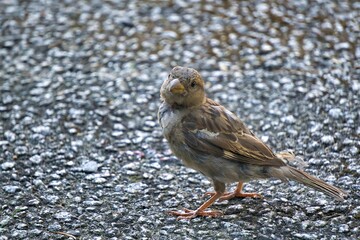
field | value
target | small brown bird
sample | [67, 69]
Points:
[212, 140]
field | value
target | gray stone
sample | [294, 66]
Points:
[89, 166]
[7, 165]
[335, 113]
[36, 159]
[327, 139]
[11, 188]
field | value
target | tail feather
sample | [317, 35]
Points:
[314, 182]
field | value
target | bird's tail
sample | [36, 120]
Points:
[313, 182]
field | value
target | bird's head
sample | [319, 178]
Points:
[184, 87]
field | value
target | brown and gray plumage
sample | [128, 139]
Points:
[212, 140]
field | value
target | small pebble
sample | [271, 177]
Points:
[7, 165]
[89, 166]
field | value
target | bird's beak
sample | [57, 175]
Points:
[176, 87]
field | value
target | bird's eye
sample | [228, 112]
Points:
[169, 75]
[193, 84]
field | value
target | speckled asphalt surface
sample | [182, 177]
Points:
[81, 153]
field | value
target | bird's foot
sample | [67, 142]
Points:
[189, 214]
[230, 195]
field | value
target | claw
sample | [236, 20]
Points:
[228, 196]
[189, 214]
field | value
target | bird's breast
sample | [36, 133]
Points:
[170, 121]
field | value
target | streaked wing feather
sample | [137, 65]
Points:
[214, 130]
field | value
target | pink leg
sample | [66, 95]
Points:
[237, 193]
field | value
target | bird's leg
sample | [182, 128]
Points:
[189, 214]
[237, 193]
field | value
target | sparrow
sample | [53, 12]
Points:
[212, 140]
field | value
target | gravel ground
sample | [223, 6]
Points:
[81, 153]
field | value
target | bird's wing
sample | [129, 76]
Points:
[214, 130]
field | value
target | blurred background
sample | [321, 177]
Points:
[82, 155]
